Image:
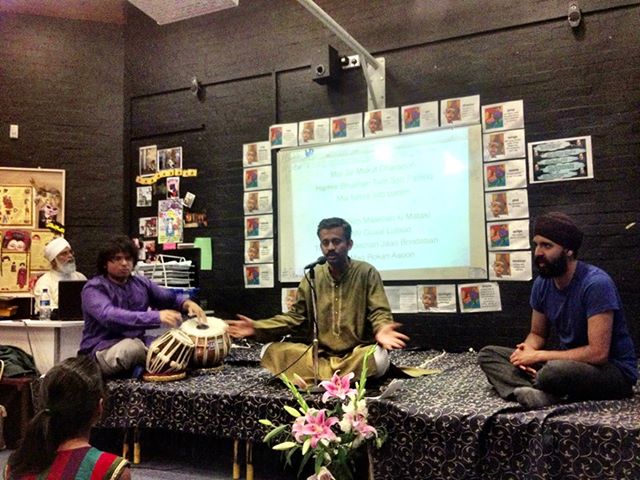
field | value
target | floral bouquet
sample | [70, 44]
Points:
[331, 436]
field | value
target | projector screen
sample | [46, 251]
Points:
[415, 203]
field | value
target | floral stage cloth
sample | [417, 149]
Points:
[450, 425]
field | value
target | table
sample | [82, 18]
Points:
[51, 340]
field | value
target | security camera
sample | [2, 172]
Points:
[574, 15]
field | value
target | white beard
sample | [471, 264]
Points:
[68, 268]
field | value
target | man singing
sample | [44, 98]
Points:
[353, 313]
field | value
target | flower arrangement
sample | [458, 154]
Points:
[331, 436]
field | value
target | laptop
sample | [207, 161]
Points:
[70, 300]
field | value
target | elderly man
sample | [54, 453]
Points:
[63, 267]
[596, 357]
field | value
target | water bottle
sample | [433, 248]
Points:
[45, 305]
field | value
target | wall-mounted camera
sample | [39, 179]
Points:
[574, 16]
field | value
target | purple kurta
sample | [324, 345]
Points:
[113, 312]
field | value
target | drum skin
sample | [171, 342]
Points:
[212, 342]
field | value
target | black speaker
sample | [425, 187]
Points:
[325, 65]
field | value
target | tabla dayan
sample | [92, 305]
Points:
[168, 356]
[212, 342]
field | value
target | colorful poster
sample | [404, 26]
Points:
[258, 276]
[383, 122]
[17, 206]
[254, 154]
[313, 132]
[437, 298]
[560, 160]
[257, 178]
[507, 204]
[479, 297]
[503, 116]
[346, 127]
[173, 187]
[420, 116]
[503, 175]
[148, 226]
[170, 221]
[510, 266]
[504, 145]
[259, 226]
[511, 235]
[14, 271]
[460, 111]
[284, 135]
[39, 239]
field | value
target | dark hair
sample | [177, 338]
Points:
[335, 222]
[70, 394]
[115, 245]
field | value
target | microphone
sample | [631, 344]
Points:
[320, 261]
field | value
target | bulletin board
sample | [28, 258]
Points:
[31, 215]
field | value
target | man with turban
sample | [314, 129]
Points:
[63, 267]
[596, 356]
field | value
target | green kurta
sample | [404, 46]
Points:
[350, 311]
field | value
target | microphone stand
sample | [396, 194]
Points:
[314, 305]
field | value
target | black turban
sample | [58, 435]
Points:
[560, 229]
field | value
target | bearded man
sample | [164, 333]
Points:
[596, 357]
[63, 267]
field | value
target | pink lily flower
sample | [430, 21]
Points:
[338, 387]
[315, 426]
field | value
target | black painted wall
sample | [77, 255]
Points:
[61, 81]
[254, 63]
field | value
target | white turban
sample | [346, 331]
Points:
[54, 247]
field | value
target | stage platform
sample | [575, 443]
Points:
[450, 425]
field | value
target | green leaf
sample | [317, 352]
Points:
[292, 411]
[305, 459]
[296, 393]
[274, 433]
[306, 445]
[285, 445]
[266, 422]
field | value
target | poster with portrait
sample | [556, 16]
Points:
[510, 266]
[257, 178]
[258, 226]
[14, 271]
[148, 160]
[402, 299]
[144, 196]
[313, 132]
[479, 297]
[170, 158]
[39, 239]
[283, 135]
[504, 145]
[257, 153]
[378, 123]
[507, 204]
[346, 127]
[258, 251]
[460, 111]
[258, 276]
[288, 296]
[560, 160]
[436, 298]
[420, 116]
[504, 175]
[258, 202]
[508, 235]
[173, 187]
[148, 226]
[503, 116]
[170, 221]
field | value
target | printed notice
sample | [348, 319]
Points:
[254, 154]
[504, 145]
[421, 116]
[381, 122]
[510, 266]
[513, 235]
[258, 276]
[257, 178]
[507, 204]
[288, 298]
[258, 202]
[503, 116]
[402, 299]
[284, 135]
[346, 127]
[560, 160]
[460, 111]
[313, 132]
[258, 251]
[259, 226]
[503, 175]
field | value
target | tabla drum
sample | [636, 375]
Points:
[212, 342]
[168, 356]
